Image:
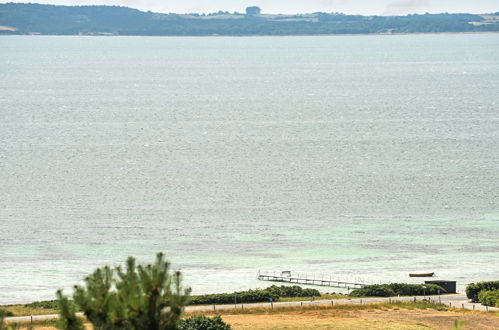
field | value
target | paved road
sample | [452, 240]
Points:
[455, 300]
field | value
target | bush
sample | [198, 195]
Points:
[201, 322]
[5, 313]
[473, 290]
[489, 298]
[252, 296]
[142, 297]
[49, 304]
[292, 291]
[393, 289]
[376, 290]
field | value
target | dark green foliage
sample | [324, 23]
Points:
[49, 304]
[68, 319]
[394, 289]
[139, 297]
[201, 322]
[473, 290]
[292, 291]
[489, 298]
[252, 296]
[67, 20]
[3, 326]
[5, 313]
[376, 290]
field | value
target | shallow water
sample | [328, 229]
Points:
[360, 157]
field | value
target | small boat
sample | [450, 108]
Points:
[421, 275]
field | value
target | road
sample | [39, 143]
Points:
[455, 300]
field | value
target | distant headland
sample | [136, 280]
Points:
[19, 18]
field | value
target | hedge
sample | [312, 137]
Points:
[473, 290]
[201, 322]
[5, 313]
[489, 298]
[252, 296]
[394, 289]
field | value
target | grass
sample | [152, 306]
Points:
[397, 315]
[50, 307]
[36, 308]
[338, 307]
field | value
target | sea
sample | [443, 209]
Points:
[355, 158]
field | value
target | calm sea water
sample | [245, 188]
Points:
[363, 158]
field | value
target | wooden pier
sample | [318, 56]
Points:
[287, 277]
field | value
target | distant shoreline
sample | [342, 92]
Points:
[250, 35]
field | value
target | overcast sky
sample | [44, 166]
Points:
[366, 7]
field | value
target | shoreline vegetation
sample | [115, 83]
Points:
[40, 19]
[151, 296]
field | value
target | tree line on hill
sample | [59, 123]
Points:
[17, 18]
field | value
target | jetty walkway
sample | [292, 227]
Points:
[303, 279]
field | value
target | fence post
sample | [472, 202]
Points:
[272, 305]
[213, 306]
[332, 303]
[473, 306]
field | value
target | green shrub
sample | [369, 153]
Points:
[49, 304]
[140, 297]
[201, 322]
[292, 291]
[252, 296]
[489, 298]
[376, 290]
[5, 313]
[3, 326]
[473, 290]
[394, 289]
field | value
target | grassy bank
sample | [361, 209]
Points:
[397, 315]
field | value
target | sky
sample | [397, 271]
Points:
[364, 7]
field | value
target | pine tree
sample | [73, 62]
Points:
[68, 319]
[140, 297]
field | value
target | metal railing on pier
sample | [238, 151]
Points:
[305, 279]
